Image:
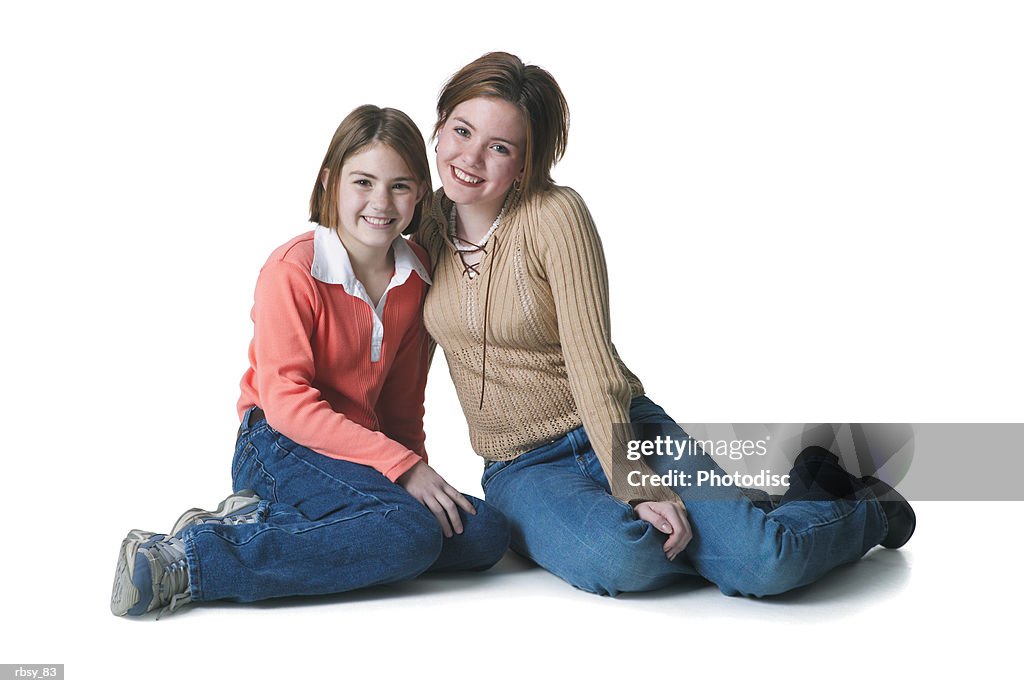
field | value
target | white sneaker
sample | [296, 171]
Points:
[152, 572]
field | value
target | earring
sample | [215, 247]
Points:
[436, 147]
[516, 185]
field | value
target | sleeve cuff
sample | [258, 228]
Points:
[402, 467]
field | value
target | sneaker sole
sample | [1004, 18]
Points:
[125, 594]
[231, 504]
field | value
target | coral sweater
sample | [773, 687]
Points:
[328, 370]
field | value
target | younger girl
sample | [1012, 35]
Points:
[333, 491]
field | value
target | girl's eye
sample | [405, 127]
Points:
[401, 186]
[362, 182]
[461, 131]
[500, 148]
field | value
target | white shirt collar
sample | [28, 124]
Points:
[331, 263]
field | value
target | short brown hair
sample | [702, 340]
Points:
[533, 91]
[362, 128]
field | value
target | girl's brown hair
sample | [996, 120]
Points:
[363, 127]
[533, 91]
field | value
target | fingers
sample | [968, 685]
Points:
[670, 519]
[681, 534]
[440, 514]
[441, 499]
[446, 509]
[459, 499]
[650, 513]
[462, 501]
[451, 511]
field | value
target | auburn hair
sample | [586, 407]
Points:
[533, 91]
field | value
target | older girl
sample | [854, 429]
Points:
[520, 306]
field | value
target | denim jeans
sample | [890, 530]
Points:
[326, 526]
[564, 518]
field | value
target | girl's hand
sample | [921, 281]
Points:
[427, 486]
[670, 519]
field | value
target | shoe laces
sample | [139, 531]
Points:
[242, 518]
[177, 601]
[173, 583]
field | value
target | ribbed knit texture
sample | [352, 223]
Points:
[551, 365]
[310, 368]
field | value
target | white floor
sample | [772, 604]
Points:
[940, 611]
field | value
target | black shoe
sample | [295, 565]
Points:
[900, 516]
[818, 475]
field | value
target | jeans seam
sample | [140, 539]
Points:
[824, 523]
[243, 456]
[313, 525]
[320, 472]
[270, 478]
[885, 518]
[195, 581]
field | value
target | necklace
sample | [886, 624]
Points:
[464, 247]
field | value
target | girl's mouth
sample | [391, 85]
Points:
[465, 178]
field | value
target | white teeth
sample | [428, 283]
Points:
[462, 175]
[377, 221]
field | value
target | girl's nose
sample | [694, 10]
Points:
[472, 156]
[381, 198]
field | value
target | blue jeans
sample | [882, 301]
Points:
[326, 526]
[564, 518]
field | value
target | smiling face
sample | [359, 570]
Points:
[481, 151]
[377, 197]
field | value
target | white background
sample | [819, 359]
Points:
[811, 212]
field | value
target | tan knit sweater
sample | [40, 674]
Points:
[550, 361]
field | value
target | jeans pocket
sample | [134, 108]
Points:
[492, 470]
[248, 472]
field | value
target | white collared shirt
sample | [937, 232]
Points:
[332, 265]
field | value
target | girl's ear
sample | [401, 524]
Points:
[323, 177]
